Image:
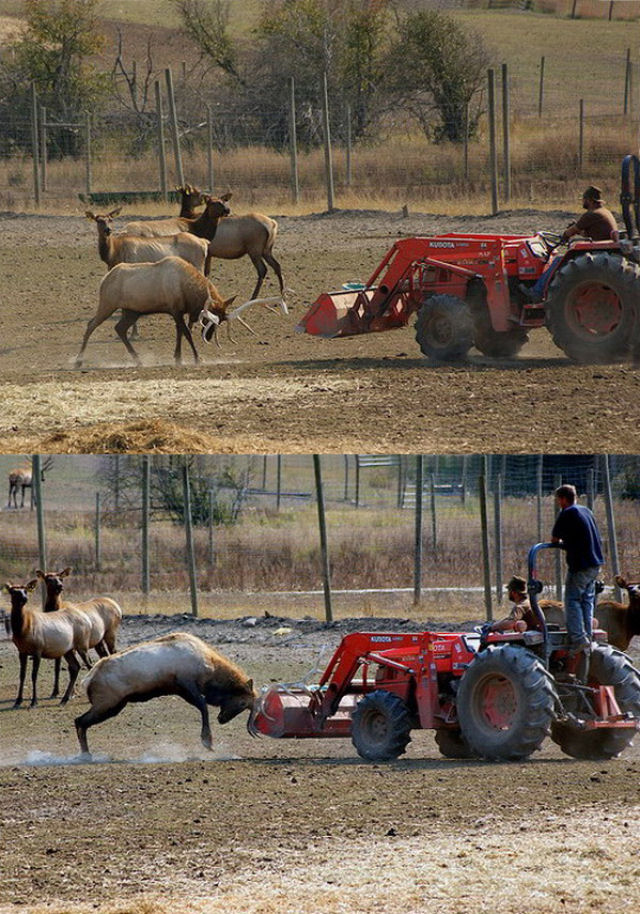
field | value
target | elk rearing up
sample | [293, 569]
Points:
[50, 636]
[104, 614]
[170, 286]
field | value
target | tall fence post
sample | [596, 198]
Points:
[497, 520]
[627, 82]
[493, 154]
[146, 501]
[88, 174]
[212, 554]
[539, 468]
[35, 144]
[611, 523]
[506, 136]
[43, 147]
[324, 545]
[557, 482]
[328, 164]
[174, 125]
[98, 559]
[293, 141]
[161, 150]
[278, 481]
[417, 539]
[434, 518]
[348, 162]
[210, 175]
[541, 87]
[36, 481]
[486, 568]
[581, 138]
[188, 528]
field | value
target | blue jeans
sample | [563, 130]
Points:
[546, 276]
[579, 603]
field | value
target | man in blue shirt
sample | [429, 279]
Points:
[576, 531]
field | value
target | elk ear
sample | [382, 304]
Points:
[65, 572]
[250, 684]
[226, 197]
[114, 212]
[229, 301]
[40, 573]
[89, 214]
[31, 585]
[8, 587]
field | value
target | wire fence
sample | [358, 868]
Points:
[256, 521]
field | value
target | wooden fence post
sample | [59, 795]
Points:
[486, 568]
[328, 164]
[506, 138]
[146, 488]
[627, 82]
[417, 537]
[581, 139]
[324, 545]
[88, 154]
[36, 478]
[174, 125]
[161, 150]
[557, 482]
[188, 527]
[348, 162]
[541, 87]
[611, 524]
[497, 519]
[293, 142]
[43, 147]
[212, 554]
[34, 144]
[493, 155]
[98, 560]
[434, 516]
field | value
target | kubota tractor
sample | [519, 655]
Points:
[494, 696]
[467, 290]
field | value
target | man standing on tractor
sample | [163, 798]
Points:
[576, 531]
[522, 617]
[598, 224]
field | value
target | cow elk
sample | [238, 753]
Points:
[204, 225]
[21, 479]
[104, 614]
[174, 664]
[38, 635]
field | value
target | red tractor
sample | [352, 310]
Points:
[470, 290]
[494, 696]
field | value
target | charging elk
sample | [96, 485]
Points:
[175, 664]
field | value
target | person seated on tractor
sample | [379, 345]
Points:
[521, 618]
[598, 224]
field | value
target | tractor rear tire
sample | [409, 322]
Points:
[607, 667]
[506, 703]
[591, 308]
[381, 726]
[452, 744]
[444, 328]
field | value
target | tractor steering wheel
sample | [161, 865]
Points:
[551, 240]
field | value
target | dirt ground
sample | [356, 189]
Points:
[157, 824]
[281, 391]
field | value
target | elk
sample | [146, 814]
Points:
[190, 197]
[104, 614]
[115, 249]
[174, 664]
[621, 621]
[37, 635]
[22, 478]
[203, 225]
[170, 286]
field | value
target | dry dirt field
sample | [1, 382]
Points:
[281, 391]
[157, 824]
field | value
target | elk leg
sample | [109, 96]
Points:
[127, 320]
[101, 649]
[195, 698]
[189, 338]
[261, 271]
[84, 656]
[56, 677]
[91, 326]
[273, 263]
[74, 669]
[91, 717]
[23, 672]
[34, 680]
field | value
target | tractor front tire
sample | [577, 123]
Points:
[444, 328]
[506, 703]
[607, 667]
[591, 308]
[381, 726]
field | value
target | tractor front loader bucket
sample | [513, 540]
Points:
[350, 312]
[295, 712]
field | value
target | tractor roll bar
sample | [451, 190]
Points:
[534, 587]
